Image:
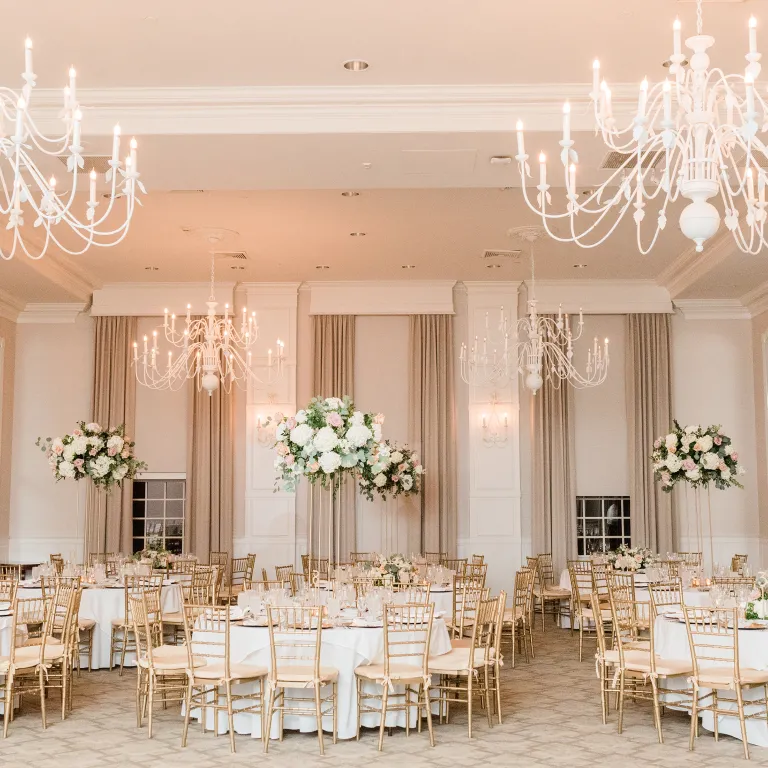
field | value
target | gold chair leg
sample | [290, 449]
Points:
[428, 707]
[187, 713]
[621, 700]
[230, 717]
[717, 725]
[694, 718]
[382, 725]
[8, 703]
[469, 704]
[656, 712]
[268, 724]
[742, 721]
[319, 715]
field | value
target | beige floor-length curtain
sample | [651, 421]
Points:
[432, 422]
[333, 375]
[210, 472]
[110, 516]
[649, 414]
[553, 473]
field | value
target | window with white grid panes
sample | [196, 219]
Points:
[602, 523]
[158, 514]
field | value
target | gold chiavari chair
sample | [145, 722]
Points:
[690, 559]
[200, 590]
[183, 566]
[360, 557]
[637, 660]
[8, 587]
[295, 637]
[476, 570]
[517, 619]
[161, 668]
[666, 596]
[671, 567]
[273, 584]
[212, 673]
[457, 565]
[219, 558]
[581, 602]
[622, 584]
[466, 671]
[407, 634]
[713, 638]
[10, 571]
[24, 668]
[435, 558]
[242, 571]
[283, 573]
[298, 583]
[122, 640]
[733, 583]
[467, 594]
[605, 660]
[415, 592]
[363, 585]
[57, 561]
[477, 559]
[600, 585]
[738, 562]
[547, 592]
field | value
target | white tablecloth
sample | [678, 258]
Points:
[104, 604]
[672, 642]
[343, 648]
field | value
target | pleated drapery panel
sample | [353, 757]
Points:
[553, 473]
[210, 472]
[432, 423]
[333, 375]
[649, 414]
[110, 515]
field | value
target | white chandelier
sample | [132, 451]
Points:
[24, 188]
[541, 347]
[213, 351]
[693, 136]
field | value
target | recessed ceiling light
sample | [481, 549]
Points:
[356, 65]
[150, 18]
[322, 266]
[408, 266]
[501, 160]
[493, 266]
[237, 266]
[357, 234]
[151, 269]
[579, 266]
[350, 194]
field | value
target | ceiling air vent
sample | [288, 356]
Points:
[615, 160]
[490, 255]
[100, 163]
[232, 255]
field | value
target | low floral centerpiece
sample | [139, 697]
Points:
[390, 470]
[104, 455]
[757, 607]
[325, 439]
[626, 558]
[697, 456]
[395, 568]
[154, 553]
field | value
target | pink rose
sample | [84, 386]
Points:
[125, 453]
[378, 418]
[314, 466]
[112, 451]
[672, 450]
[395, 478]
[735, 456]
[722, 466]
[689, 465]
[58, 450]
[334, 419]
[78, 462]
[77, 432]
[657, 444]
[283, 449]
[290, 423]
[289, 459]
[697, 446]
[92, 451]
[665, 478]
[718, 440]
[402, 467]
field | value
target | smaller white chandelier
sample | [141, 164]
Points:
[213, 352]
[24, 188]
[694, 136]
[541, 347]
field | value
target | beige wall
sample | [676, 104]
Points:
[8, 367]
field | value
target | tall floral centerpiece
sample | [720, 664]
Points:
[626, 558]
[105, 455]
[698, 457]
[391, 470]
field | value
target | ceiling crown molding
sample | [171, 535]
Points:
[712, 309]
[756, 300]
[382, 297]
[602, 297]
[10, 306]
[690, 266]
[61, 312]
[332, 109]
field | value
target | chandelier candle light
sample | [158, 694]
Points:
[693, 136]
[25, 188]
[541, 346]
[213, 351]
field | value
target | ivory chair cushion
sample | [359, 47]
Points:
[722, 677]
[403, 672]
[173, 618]
[299, 673]
[86, 624]
[457, 661]
[215, 671]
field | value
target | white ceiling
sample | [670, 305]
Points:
[414, 133]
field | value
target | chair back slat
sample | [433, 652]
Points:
[407, 635]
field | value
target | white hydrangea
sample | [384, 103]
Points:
[325, 440]
[357, 418]
[407, 482]
[80, 445]
[397, 457]
[358, 435]
[281, 432]
[710, 461]
[96, 442]
[671, 440]
[93, 427]
[68, 453]
[333, 403]
[705, 442]
[329, 462]
[673, 463]
[728, 450]
[725, 474]
[115, 443]
[692, 428]
[66, 469]
[301, 434]
[379, 480]
[99, 467]
[119, 472]
[694, 474]
[301, 417]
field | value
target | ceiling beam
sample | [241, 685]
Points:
[689, 267]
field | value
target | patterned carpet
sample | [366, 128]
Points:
[551, 718]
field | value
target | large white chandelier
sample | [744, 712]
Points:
[693, 136]
[535, 347]
[213, 351]
[24, 188]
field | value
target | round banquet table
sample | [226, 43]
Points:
[671, 638]
[344, 648]
[102, 604]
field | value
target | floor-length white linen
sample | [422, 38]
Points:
[343, 648]
[671, 639]
[102, 604]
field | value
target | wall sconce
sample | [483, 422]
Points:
[265, 431]
[495, 426]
